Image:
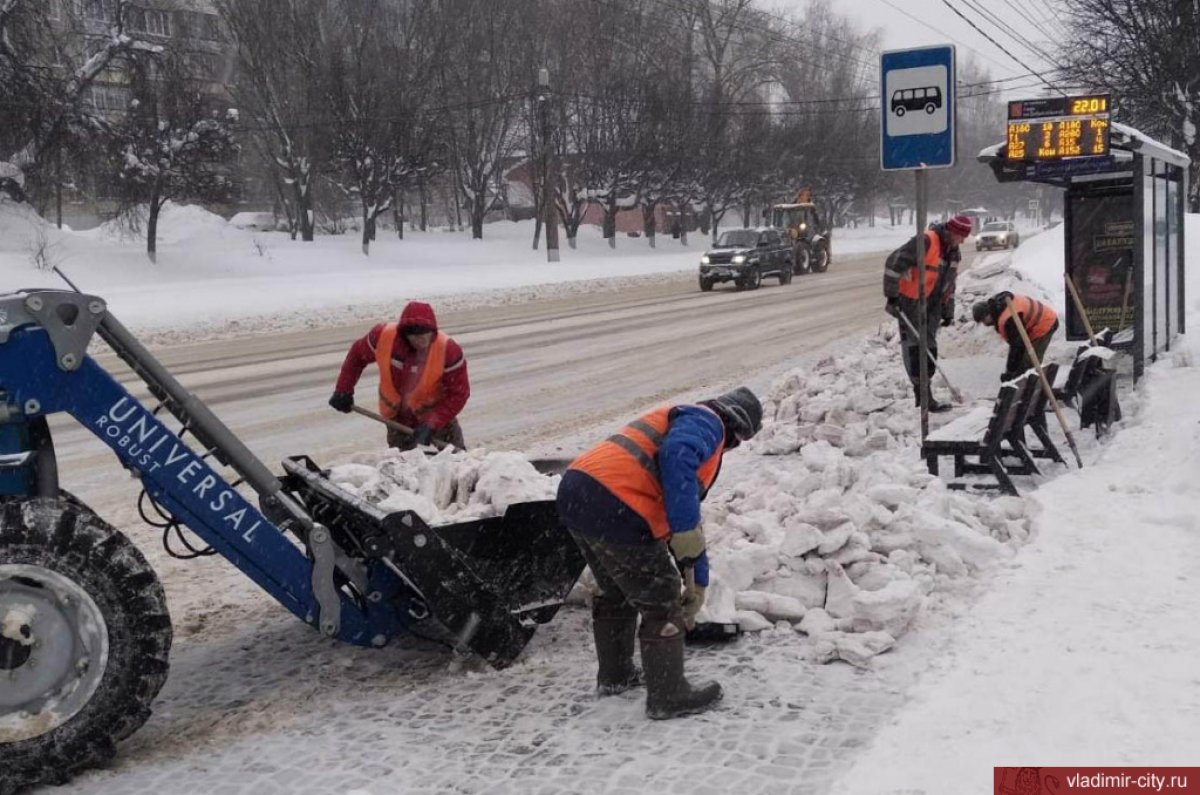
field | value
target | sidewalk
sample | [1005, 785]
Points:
[1083, 652]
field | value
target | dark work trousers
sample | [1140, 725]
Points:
[643, 575]
[1018, 358]
[450, 433]
[910, 346]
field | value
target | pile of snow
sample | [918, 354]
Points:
[177, 223]
[452, 486]
[826, 523]
[833, 524]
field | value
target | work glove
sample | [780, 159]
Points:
[422, 435]
[947, 320]
[687, 546]
[692, 601]
[892, 307]
[342, 401]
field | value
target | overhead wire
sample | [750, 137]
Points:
[999, 46]
[1008, 30]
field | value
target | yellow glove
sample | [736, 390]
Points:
[692, 601]
[687, 546]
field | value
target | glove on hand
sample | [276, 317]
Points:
[692, 601]
[947, 320]
[342, 401]
[422, 435]
[892, 307]
[687, 545]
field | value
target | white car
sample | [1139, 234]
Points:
[997, 234]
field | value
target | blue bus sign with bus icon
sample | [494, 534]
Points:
[917, 125]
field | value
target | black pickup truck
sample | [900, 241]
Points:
[745, 256]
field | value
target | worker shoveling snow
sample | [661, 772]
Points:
[828, 523]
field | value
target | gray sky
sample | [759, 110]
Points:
[897, 19]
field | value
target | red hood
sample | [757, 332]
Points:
[418, 314]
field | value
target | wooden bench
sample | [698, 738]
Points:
[989, 436]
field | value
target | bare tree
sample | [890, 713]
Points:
[380, 71]
[1145, 52]
[172, 144]
[484, 76]
[279, 89]
[33, 55]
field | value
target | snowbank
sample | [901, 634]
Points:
[210, 273]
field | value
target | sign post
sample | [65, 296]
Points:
[918, 128]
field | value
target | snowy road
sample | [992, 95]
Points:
[258, 702]
[539, 369]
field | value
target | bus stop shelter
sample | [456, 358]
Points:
[1124, 238]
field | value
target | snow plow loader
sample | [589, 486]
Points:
[84, 628]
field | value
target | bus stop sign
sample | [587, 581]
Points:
[917, 120]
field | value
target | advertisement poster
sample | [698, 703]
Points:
[1100, 261]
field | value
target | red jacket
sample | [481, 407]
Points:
[455, 386]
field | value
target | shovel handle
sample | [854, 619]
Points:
[1087, 324]
[1046, 387]
[398, 426]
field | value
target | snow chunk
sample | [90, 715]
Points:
[15, 622]
[452, 486]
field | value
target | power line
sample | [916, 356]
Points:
[1000, 46]
[1008, 30]
[944, 33]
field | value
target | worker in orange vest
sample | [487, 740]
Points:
[632, 504]
[422, 378]
[1039, 320]
[900, 288]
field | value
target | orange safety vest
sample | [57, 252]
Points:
[1036, 317]
[933, 259]
[428, 390]
[626, 464]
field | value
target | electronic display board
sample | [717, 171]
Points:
[1058, 128]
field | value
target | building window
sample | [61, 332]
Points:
[99, 10]
[109, 99]
[149, 20]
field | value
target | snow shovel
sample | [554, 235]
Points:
[708, 631]
[954, 393]
[1046, 387]
[397, 426]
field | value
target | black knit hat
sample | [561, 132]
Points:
[741, 412]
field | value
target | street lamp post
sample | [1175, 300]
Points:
[549, 172]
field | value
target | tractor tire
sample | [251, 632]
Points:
[801, 260]
[820, 262]
[78, 598]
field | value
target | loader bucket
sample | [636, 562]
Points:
[488, 582]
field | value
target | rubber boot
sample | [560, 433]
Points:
[935, 405]
[668, 693]
[614, 628]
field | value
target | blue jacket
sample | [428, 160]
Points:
[695, 434]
